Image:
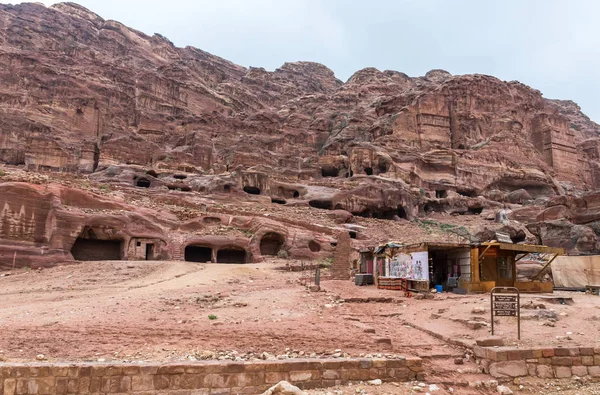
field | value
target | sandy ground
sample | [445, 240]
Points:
[161, 311]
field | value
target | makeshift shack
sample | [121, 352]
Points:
[455, 266]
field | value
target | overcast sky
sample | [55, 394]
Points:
[551, 45]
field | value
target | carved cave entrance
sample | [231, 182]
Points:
[97, 250]
[322, 204]
[231, 255]
[198, 254]
[142, 183]
[389, 214]
[252, 190]
[271, 243]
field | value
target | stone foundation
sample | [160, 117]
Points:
[507, 362]
[201, 378]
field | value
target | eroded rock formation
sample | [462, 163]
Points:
[99, 101]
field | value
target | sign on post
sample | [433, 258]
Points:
[506, 302]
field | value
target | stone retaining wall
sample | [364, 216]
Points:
[201, 378]
[560, 362]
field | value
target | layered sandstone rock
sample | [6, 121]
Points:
[106, 103]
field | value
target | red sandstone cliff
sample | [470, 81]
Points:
[94, 98]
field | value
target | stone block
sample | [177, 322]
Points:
[355, 374]
[490, 341]
[142, 382]
[597, 360]
[586, 351]
[206, 391]
[397, 363]
[545, 361]
[62, 385]
[190, 381]
[112, 370]
[95, 384]
[10, 386]
[537, 353]
[379, 362]
[587, 360]
[73, 386]
[514, 355]
[175, 368]
[548, 352]
[580, 371]
[596, 350]
[59, 371]
[531, 369]
[331, 375]
[6, 371]
[576, 361]
[83, 385]
[305, 375]
[149, 369]
[562, 372]
[81, 371]
[545, 371]
[593, 371]
[131, 370]
[562, 361]
[509, 369]
[161, 382]
[562, 352]
[276, 377]
[526, 354]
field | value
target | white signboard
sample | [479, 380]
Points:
[413, 266]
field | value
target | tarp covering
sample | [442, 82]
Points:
[576, 271]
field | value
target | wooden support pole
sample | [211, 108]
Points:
[545, 266]
[475, 275]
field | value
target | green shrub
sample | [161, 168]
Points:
[212, 317]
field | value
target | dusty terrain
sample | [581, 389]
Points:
[159, 311]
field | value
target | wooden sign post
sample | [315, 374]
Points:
[506, 302]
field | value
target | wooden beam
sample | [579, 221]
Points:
[545, 266]
[524, 255]
[484, 251]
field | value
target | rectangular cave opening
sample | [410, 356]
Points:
[97, 250]
[231, 256]
[149, 252]
[198, 254]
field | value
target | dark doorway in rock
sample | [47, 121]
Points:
[352, 234]
[369, 171]
[322, 204]
[271, 243]
[402, 213]
[314, 246]
[441, 194]
[227, 188]
[278, 200]
[97, 250]
[252, 190]
[467, 193]
[180, 176]
[198, 254]
[149, 252]
[142, 183]
[296, 194]
[475, 210]
[231, 256]
[382, 168]
[329, 172]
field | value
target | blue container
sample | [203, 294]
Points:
[439, 288]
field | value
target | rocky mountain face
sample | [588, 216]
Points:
[100, 101]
